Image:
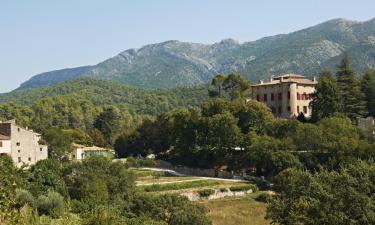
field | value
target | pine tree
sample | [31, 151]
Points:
[326, 99]
[352, 99]
[368, 89]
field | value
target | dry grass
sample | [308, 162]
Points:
[237, 211]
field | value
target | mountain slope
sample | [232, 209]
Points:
[174, 63]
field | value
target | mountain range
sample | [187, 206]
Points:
[174, 63]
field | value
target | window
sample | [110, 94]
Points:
[19, 151]
[18, 129]
[258, 98]
[298, 96]
[29, 159]
[272, 97]
[19, 159]
[41, 149]
[265, 97]
[304, 97]
[273, 109]
[18, 144]
[288, 94]
[1, 144]
[280, 110]
[288, 108]
[280, 96]
[73, 156]
[305, 109]
[298, 109]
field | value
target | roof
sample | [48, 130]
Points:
[3, 137]
[287, 78]
[90, 148]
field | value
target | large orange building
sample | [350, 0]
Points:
[287, 95]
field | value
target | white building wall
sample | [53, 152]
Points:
[6, 147]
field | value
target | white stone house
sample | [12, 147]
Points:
[21, 144]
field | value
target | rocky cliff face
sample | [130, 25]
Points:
[175, 63]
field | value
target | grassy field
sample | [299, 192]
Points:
[237, 211]
[225, 211]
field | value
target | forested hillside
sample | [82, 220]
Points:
[75, 104]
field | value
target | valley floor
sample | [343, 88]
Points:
[239, 210]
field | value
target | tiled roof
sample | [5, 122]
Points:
[287, 78]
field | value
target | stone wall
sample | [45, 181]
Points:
[194, 196]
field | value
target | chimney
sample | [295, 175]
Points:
[271, 78]
[261, 81]
[314, 79]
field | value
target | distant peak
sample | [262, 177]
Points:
[229, 41]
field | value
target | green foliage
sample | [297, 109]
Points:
[246, 187]
[132, 162]
[51, 204]
[44, 176]
[368, 88]
[59, 143]
[205, 193]
[98, 181]
[23, 198]
[11, 179]
[172, 209]
[109, 123]
[326, 99]
[264, 197]
[352, 99]
[325, 197]
[233, 86]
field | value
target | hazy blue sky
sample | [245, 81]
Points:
[42, 35]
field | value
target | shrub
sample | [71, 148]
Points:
[51, 204]
[244, 188]
[24, 197]
[264, 197]
[223, 189]
[205, 193]
[132, 162]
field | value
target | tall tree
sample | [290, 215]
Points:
[109, 123]
[236, 86]
[217, 85]
[350, 91]
[368, 89]
[326, 99]
[233, 86]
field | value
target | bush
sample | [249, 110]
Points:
[223, 189]
[246, 187]
[264, 197]
[132, 162]
[205, 193]
[51, 204]
[24, 197]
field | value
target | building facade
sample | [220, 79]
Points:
[287, 95]
[367, 125]
[81, 152]
[21, 144]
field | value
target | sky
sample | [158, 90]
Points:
[43, 35]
